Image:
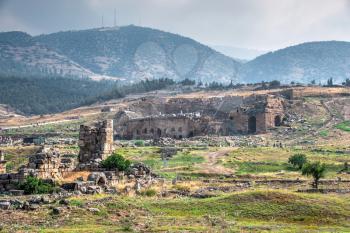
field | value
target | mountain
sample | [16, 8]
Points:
[135, 53]
[21, 54]
[302, 63]
[132, 53]
[239, 54]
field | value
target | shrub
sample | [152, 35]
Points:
[316, 170]
[34, 185]
[116, 161]
[297, 160]
[149, 192]
[139, 143]
[9, 167]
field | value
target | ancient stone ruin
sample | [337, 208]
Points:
[49, 164]
[188, 117]
[95, 143]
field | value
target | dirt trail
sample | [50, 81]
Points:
[211, 165]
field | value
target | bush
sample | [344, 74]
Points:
[34, 185]
[116, 161]
[149, 192]
[297, 160]
[139, 143]
[9, 167]
[316, 170]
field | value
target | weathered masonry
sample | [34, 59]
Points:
[95, 143]
[183, 117]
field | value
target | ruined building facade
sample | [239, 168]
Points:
[95, 143]
[184, 117]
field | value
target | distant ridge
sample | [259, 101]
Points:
[132, 53]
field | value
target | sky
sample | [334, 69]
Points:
[254, 24]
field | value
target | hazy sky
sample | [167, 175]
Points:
[259, 24]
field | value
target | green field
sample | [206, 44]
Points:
[252, 211]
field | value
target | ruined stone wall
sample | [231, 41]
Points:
[95, 143]
[49, 164]
[156, 127]
[219, 116]
[258, 114]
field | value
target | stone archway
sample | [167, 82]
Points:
[252, 124]
[278, 121]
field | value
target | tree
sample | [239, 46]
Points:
[316, 170]
[346, 83]
[275, 84]
[330, 82]
[116, 161]
[313, 82]
[297, 160]
[187, 82]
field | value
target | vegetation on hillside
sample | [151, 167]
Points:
[44, 95]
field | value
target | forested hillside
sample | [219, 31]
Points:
[43, 95]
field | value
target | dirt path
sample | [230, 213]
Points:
[211, 165]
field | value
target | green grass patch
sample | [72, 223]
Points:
[262, 205]
[345, 126]
[324, 133]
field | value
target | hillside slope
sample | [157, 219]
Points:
[136, 53]
[21, 54]
[303, 63]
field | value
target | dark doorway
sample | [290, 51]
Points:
[252, 124]
[277, 121]
[101, 181]
[159, 132]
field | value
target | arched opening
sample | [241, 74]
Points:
[152, 131]
[278, 121]
[101, 181]
[191, 134]
[159, 132]
[145, 130]
[252, 124]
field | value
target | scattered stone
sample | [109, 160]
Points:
[57, 210]
[63, 202]
[94, 210]
[5, 205]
